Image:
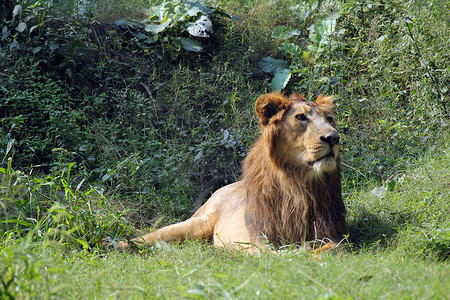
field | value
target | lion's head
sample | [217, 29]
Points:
[299, 133]
[293, 171]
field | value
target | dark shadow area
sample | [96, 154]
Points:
[367, 229]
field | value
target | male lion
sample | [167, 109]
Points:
[290, 191]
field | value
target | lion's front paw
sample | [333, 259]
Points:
[316, 254]
[111, 244]
[123, 246]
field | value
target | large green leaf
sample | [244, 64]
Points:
[191, 45]
[21, 27]
[321, 33]
[17, 9]
[292, 49]
[302, 9]
[155, 28]
[272, 66]
[284, 32]
[193, 8]
[280, 79]
[158, 12]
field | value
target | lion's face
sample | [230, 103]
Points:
[309, 136]
[300, 133]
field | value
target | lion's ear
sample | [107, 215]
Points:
[327, 102]
[296, 97]
[271, 107]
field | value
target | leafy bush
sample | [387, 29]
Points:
[22, 19]
[43, 107]
[170, 20]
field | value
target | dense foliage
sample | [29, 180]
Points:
[107, 121]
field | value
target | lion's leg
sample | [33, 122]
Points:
[327, 247]
[194, 228]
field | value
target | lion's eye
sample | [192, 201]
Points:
[301, 117]
[330, 119]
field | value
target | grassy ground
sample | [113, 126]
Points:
[198, 271]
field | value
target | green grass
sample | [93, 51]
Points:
[408, 214]
[199, 271]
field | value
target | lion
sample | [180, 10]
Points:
[290, 192]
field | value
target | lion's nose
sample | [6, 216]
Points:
[331, 138]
